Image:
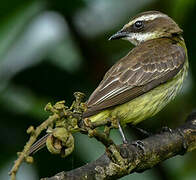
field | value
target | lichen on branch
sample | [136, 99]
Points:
[118, 160]
[157, 148]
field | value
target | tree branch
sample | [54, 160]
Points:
[157, 148]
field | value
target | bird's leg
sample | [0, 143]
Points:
[116, 124]
[122, 133]
[139, 144]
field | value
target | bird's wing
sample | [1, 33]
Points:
[137, 73]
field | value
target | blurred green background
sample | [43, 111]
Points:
[52, 48]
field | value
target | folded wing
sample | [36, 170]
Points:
[137, 73]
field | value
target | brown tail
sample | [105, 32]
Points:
[38, 145]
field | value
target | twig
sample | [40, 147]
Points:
[59, 110]
[34, 134]
[157, 148]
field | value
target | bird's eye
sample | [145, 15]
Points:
[138, 24]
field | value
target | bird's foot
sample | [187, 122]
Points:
[139, 144]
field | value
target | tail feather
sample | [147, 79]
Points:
[38, 145]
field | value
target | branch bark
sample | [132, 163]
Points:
[157, 148]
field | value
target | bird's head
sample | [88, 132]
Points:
[146, 26]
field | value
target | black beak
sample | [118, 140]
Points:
[120, 34]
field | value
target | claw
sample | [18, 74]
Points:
[139, 144]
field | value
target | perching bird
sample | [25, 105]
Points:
[144, 81]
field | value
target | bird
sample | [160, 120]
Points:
[143, 82]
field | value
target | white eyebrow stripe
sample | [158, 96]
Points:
[146, 18]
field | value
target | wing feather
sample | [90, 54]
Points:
[137, 73]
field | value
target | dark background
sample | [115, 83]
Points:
[50, 49]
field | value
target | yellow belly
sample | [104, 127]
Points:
[146, 105]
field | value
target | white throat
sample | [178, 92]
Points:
[137, 38]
